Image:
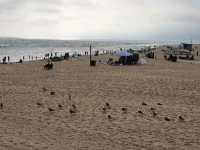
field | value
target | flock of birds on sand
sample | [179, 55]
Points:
[125, 111]
[73, 109]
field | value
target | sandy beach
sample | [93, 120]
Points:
[155, 106]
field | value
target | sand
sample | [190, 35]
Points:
[28, 92]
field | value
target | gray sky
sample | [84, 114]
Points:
[100, 19]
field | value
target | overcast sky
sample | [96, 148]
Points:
[100, 19]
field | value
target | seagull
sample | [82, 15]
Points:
[144, 104]
[104, 110]
[108, 106]
[39, 104]
[59, 105]
[181, 118]
[52, 93]
[73, 106]
[50, 109]
[124, 110]
[154, 113]
[109, 117]
[152, 109]
[167, 119]
[140, 112]
[44, 89]
[72, 111]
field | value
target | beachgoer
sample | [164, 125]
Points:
[4, 60]
[47, 55]
[8, 58]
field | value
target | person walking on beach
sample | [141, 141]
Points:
[8, 58]
[4, 60]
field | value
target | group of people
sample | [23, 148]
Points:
[86, 53]
[6, 59]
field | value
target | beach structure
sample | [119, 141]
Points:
[187, 46]
[190, 47]
[127, 58]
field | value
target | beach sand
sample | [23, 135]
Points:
[30, 118]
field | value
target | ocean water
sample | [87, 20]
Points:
[17, 48]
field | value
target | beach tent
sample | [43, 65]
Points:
[127, 58]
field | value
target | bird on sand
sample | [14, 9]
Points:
[181, 118]
[108, 106]
[167, 119]
[109, 117]
[124, 110]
